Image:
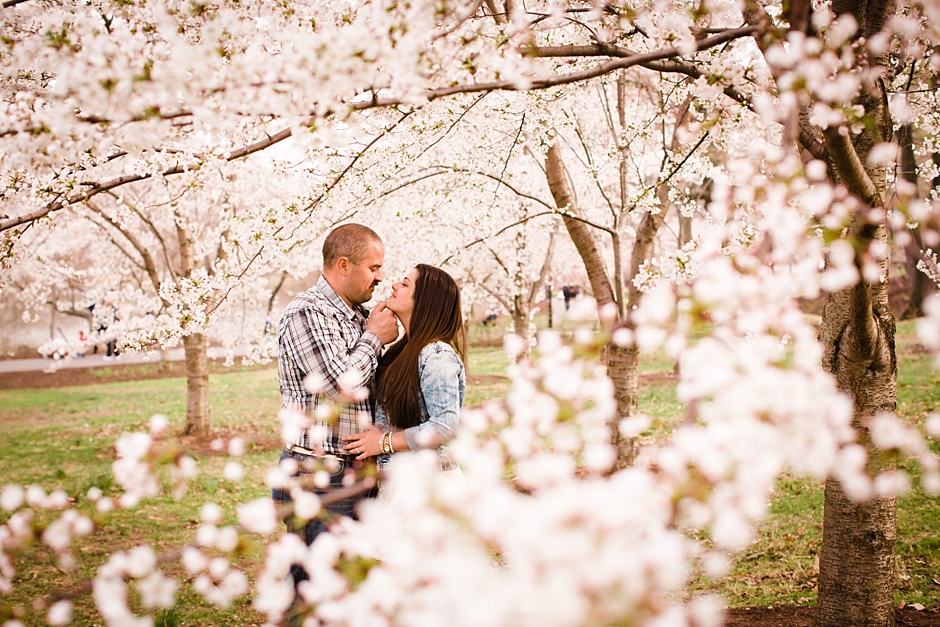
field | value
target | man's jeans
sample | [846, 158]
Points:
[309, 530]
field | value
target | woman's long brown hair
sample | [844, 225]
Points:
[436, 316]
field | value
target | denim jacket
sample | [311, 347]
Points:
[443, 383]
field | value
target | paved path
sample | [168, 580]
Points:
[99, 360]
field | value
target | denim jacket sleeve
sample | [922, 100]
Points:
[381, 421]
[443, 383]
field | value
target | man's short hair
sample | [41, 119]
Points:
[350, 241]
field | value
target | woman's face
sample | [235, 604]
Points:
[402, 301]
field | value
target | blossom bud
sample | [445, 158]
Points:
[36, 496]
[12, 497]
[514, 345]
[60, 613]
[194, 560]
[236, 447]
[233, 471]
[226, 539]
[157, 590]
[158, 425]
[258, 516]
[210, 513]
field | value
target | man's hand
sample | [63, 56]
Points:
[383, 323]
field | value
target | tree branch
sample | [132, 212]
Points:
[277, 288]
[96, 188]
[849, 166]
[571, 77]
[545, 269]
[153, 229]
[495, 12]
[496, 296]
[149, 267]
[116, 243]
[466, 15]
[608, 50]
[312, 204]
[674, 66]
[92, 119]
[452, 126]
[432, 94]
[515, 141]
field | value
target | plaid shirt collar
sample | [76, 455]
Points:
[352, 313]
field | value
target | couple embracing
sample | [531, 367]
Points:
[417, 384]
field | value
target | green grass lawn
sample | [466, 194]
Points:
[63, 438]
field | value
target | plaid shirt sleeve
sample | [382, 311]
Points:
[315, 342]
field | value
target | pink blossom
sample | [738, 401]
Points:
[258, 516]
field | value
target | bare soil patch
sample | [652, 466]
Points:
[795, 616]
[657, 378]
[206, 446]
[108, 374]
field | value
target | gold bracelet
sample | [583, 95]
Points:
[391, 448]
[387, 443]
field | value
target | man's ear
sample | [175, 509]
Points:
[342, 264]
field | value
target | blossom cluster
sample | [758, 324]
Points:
[139, 456]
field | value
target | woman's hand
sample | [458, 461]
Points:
[365, 444]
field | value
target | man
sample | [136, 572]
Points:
[325, 334]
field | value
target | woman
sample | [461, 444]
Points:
[420, 380]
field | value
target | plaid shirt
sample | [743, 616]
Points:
[319, 333]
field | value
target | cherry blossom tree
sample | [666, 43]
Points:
[458, 186]
[98, 96]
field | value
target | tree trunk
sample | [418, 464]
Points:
[685, 229]
[622, 363]
[579, 232]
[197, 385]
[520, 322]
[918, 281]
[623, 368]
[685, 236]
[856, 562]
[197, 366]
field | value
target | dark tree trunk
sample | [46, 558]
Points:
[918, 282]
[856, 563]
[685, 230]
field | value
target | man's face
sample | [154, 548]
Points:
[361, 278]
